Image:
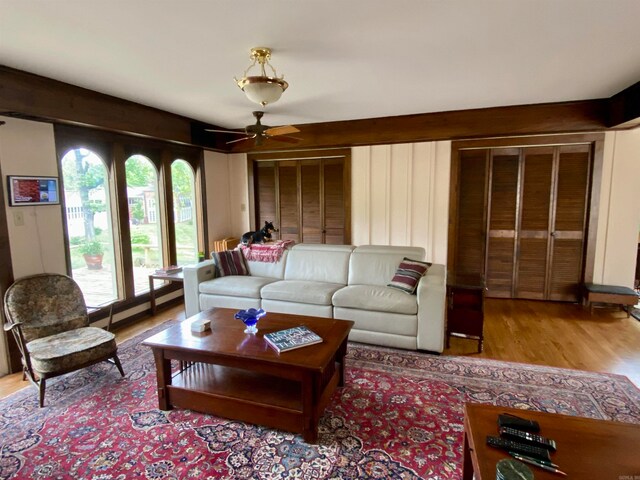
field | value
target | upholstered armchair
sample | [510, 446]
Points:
[48, 317]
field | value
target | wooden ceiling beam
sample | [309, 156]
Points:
[25, 95]
[624, 108]
[548, 118]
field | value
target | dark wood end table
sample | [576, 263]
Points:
[238, 375]
[465, 312]
[587, 448]
[168, 277]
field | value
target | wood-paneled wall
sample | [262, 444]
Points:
[400, 196]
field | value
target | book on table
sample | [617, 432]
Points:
[168, 270]
[292, 338]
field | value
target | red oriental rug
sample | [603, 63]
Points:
[400, 415]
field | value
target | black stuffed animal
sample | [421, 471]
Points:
[261, 236]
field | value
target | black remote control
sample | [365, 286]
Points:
[528, 437]
[517, 447]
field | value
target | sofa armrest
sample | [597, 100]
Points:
[194, 275]
[432, 299]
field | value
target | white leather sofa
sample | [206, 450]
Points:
[334, 281]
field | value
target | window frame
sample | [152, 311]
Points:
[114, 149]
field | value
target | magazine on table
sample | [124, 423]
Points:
[169, 270]
[292, 338]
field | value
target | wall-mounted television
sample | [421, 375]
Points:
[25, 190]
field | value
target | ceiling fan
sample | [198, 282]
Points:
[261, 132]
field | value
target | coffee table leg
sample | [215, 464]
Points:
[163, 373]
[342, 352]
[309, 413]
[467, 464]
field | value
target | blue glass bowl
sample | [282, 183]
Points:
[250, 318]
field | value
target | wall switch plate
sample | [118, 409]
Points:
[18, 218]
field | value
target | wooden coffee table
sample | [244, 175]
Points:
[587, 448]
[237, 375]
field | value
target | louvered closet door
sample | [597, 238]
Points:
[568, 224]
[265, 192]
[288, 182]
[334, 218]
[501, 232]
[535, 212]
[471, 218]
[310, 176]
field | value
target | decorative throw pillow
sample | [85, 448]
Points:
[229, 262]
[408, 275]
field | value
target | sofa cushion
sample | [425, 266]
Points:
[268, 269]
[301, 291]
[376, 298]
[318, 263]
[235, 286]
[229, 262]
[376, 265]
[408, 275]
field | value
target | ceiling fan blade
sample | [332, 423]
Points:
[282, 138]
[284, 130]
[241, 139]
[224, 131]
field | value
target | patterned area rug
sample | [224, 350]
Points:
[400, 415]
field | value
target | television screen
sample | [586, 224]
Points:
[33, 190]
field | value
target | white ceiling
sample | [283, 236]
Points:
[343, 59]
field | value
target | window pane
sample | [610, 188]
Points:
[144, 219]
[88, 212]
[184, 212]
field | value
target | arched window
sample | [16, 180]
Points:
[184, 212]
[144, 220]
[88, 223]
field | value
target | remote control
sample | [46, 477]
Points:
[517, 447]
[528, 437]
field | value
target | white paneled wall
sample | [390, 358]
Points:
[227, 195]
[400, 196]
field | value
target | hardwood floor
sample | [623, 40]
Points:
[558, 335]
[540, 333]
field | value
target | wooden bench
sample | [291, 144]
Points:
[623, 296]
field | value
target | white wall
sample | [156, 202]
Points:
[400, 196]
[227, 195]
[619, 209]
[37, 246]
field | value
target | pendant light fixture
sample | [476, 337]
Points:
[262, 88]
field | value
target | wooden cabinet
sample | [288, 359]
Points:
[521, 219]
[307, 199]
[465, 313]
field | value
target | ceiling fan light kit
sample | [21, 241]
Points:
[262, 89]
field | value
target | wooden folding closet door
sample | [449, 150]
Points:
[532, 248]
[536, 222]
[568, 230]
[521, 217]
[502, 221]
[307, 199]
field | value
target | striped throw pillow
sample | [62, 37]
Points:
[408, 275]
[229, 262]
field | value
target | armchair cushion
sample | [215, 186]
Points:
[70, 349]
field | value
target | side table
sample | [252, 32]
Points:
[168, 277]
[465, 312]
